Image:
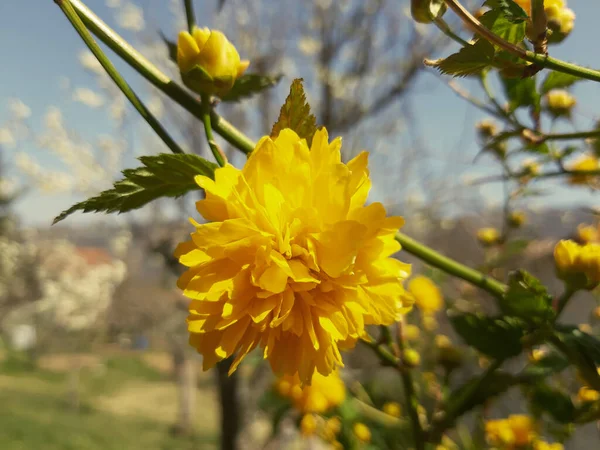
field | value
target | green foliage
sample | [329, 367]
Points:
[248, 85]
[558, 80]
[521, 92]
[553, 402]
[295, 114]
[171, 47]
[498, 338]
[470, 60]
[163, 175]
[511, 10]
[527, 298]
[550, 364]
[499, 23]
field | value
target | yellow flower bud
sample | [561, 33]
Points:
[587, 234]
[587, 163]
[426, 11]
[208, 62]
[333, 426]
[411, 332]
[393, 409]
[587, 395]
[486, 129]
[442, 341]
[362, 432]
[561, 21]
[596, 313]
[541, 445]
[428, 296]
[560, 102]
[516, 219]
[585, 328]
[411, 357]
[488, 236]
[430, 323]
[308, 424]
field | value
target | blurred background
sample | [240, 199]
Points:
[93, 342]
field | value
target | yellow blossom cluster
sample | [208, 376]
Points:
[325, 392]
[578, 264]
[516, 431]
[561, 19]
[291, 261]
[327, 429]
[586, 163]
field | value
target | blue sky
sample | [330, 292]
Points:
[39, 48]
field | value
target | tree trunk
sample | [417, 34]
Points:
[230, 405]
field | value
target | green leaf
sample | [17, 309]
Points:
[550, 364]
[511, 10]
[497, 383]
[470, 60]
[499, 338]
[248, 85]
[496, 21]
[295, 114]
[526, 298]
[163, 175]
[558, 80]
[521, 92]
[558, 405]
[171, 46]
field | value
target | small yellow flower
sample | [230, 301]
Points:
[516, 219]
[560, 102]
[325, 392]
[308, 424]
[488, 236]
[411, 332]
[561, 19]
[587, 234]
[530, 168]
[537, 354]
[393, 409]
[428, 296]
[332, 428]
[596, 313]
[586, 395]
[362, 432]
[587, 163]
[578, 264]
[430, 323]
[292, 261]
[486, 129]
[411, 357]
[515, 431]
[542, 445]
[208, 62]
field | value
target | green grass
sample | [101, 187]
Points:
[33, 421]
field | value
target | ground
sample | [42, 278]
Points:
[126, 401]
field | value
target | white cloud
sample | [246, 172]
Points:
[7, 138]
[90, 62]
[53, 118]
[64, 83]
[88, 97]
[131, 17]
[19, 110]
[113, 3]
[155, 106]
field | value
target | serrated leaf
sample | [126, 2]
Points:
[558, 80]
[527, 298]
[499, 338]
[171, 47]
[295, 114]
[511, 10]
[248, 85]
[521, 92]
[555, 403]
[496, 21]
[470, 60]
[163, 175]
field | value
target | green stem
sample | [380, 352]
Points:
[158, 78]
[450, 266]
[208, 130]
[71, 14]
[569, 136]
[564, 300]
[189, 14]
[445, 28]
[438, 428]
[543, 61]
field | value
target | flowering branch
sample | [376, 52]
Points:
[70, 13]
[158, 78]
[540, 60]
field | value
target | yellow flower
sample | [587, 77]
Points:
[393, 409]
[587, 234]
[332, 428]
[411, 357]
[292, 260]
[515, 431]
[586, 395]
[578, 264]
[488, 236]
[430, 323]
[428, 296]
[325, 392]
[561, 19]
[560, 102]
[308, 424]
[541, 445]
[516, 219]
[208, 62]
[362, 432]
[587, 163]
[486, 129]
